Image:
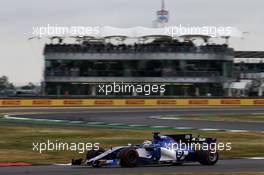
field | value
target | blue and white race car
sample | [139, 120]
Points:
[162, 149]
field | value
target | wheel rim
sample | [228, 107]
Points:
[212, 156]
[132, 156]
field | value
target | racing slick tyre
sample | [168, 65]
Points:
[93, 153]
[128, 157]
[207, 157]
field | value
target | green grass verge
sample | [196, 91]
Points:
[16, 141]
[242, 118]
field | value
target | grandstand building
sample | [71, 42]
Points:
[186, 69]
[142, 55]
[249, 71]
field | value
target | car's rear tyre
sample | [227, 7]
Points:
[93, 153]
[128, 157]
[207, 157]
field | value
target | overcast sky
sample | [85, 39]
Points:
[22, 60]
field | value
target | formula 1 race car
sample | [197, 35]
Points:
[167, 149]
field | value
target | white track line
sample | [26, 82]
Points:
[209, 129]
[254, 158]
[237, 131]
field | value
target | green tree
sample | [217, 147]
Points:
[5, 84]
[29, 86]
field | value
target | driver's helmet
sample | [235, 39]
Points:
[147, 143]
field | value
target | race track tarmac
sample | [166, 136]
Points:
[142, 116]
[234, 165]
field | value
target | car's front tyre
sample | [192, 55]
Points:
[128, 157]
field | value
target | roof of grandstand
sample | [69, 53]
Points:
[170, 31]
[249, 54]
[139, 32]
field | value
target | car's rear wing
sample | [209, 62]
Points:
[187, 138]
